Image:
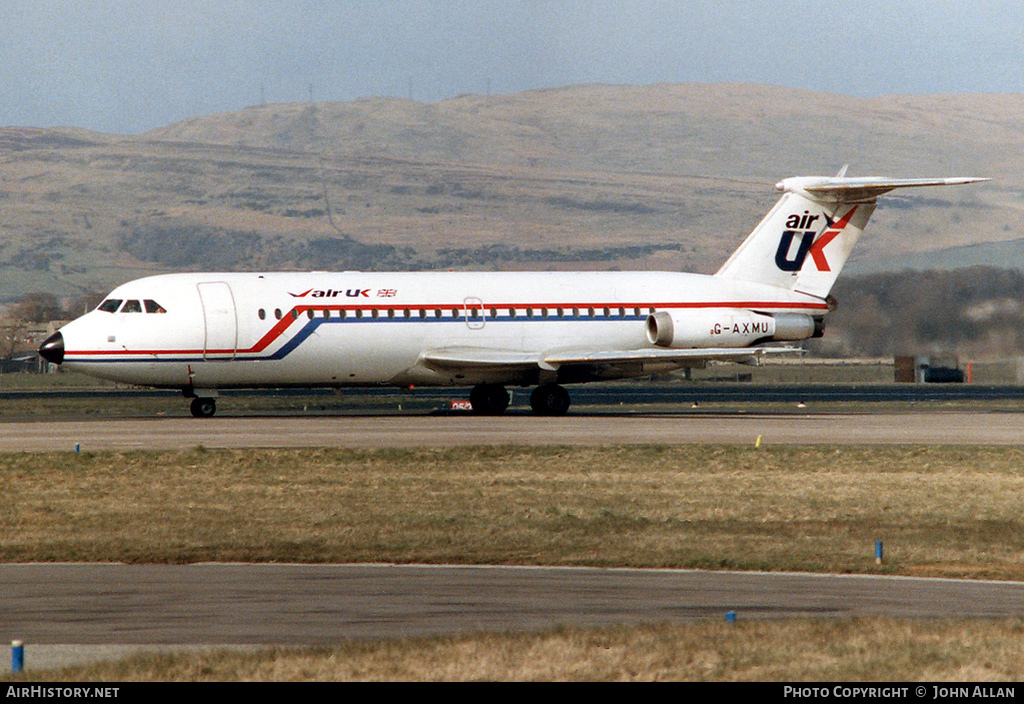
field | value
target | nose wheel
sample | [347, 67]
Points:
[203, 407]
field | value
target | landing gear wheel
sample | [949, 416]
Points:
[489, 399]
[203, 407]
[549, 400]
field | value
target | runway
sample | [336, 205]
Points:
[393, 430]
[324, 604]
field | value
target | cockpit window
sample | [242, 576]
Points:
[110, 305]
[154, 307]
[132, 307]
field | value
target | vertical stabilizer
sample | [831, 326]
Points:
[804, 241]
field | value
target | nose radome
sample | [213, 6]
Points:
[52, 349]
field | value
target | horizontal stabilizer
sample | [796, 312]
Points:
[861, 188]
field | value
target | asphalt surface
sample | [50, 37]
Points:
[924, 427]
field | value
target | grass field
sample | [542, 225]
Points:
[791, 651]
[941, 511]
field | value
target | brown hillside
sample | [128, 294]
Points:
[666, 176]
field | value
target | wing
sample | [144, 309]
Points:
[552, 360]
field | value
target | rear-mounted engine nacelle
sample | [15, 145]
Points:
[726, 328]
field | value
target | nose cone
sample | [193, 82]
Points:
[52, 350]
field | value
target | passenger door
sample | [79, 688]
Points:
[219, 320]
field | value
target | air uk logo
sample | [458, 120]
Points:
[808, 241]
[348, 293]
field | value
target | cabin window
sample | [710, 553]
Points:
[437, 313]
[277, 313]
[575, 312]
[110, 305]
[262, 314]
[423, 312]
[590, 312]
[327, 314]
[406, 313]
[391, 313]
[309, 313]
[153, 307]
[132, 307]
[295, 314]
[359, 312]
[529, 312]
[636, 311]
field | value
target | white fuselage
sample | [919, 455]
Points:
[227, 330]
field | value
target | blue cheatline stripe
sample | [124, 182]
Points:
[311, 326]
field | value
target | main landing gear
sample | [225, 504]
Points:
[549, 400]
[493, 399]
[203, 407]
[489, 399]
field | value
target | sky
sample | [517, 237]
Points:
[124, 66]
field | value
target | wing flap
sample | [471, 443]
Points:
[661, 354]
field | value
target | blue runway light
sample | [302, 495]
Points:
[17, 656]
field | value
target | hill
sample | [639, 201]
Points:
[976, 312]
[665, 176]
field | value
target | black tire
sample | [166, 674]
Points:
[550, 400]
[489, 399]
[203, 407]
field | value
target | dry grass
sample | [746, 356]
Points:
[875, 650]
[940, 511]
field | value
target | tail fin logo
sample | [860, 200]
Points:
[782, 259]
[789, 260]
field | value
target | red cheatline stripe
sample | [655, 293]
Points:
[287, 319]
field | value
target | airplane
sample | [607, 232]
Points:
[203, 332]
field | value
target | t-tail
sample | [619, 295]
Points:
[804, 241]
